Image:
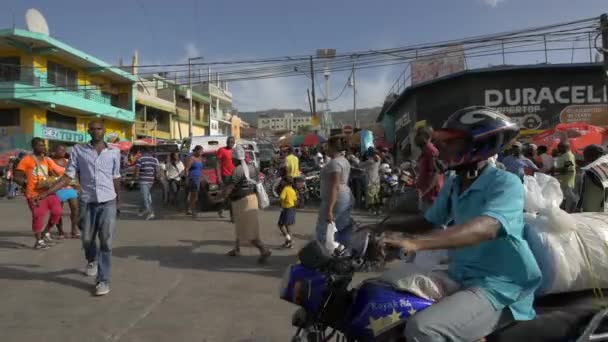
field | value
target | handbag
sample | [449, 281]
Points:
[260, 192]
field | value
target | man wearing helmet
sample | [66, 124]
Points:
[488, 256]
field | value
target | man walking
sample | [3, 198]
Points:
[97, 166]
[430, 175]
[292, 164]
[146, 170]
[565, 172]
[224, 169]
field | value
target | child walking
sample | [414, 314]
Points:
[288, 213]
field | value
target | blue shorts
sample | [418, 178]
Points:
[67, 194]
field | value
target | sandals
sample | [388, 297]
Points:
[75, 235]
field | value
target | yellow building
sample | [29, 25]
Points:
[52, 90]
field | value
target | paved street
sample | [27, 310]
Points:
[171, 282]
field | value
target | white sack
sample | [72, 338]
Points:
[571, 261]
[543, 195]
[431, 285]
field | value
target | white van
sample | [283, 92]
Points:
[210, 143]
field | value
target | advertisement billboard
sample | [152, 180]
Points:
[438, 64]
[537, 97]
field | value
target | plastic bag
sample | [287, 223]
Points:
[572, 261]
[431, 285]
[542, 192]
[543, 195]
[330, 242]
[263, 200]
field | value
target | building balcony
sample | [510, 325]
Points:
[151, 129]
[214, 91]
[34, 88]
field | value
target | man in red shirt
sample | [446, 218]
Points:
[430, 174]
[224, 169]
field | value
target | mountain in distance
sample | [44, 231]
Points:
[365, 116]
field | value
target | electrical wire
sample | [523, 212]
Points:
[296, 65]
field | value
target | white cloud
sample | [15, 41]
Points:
[492, 3]
[191, 50]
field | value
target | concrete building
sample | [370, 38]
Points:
[220, 111]
[52, 90]
[288, 122]
[538, 97]
[163, 107]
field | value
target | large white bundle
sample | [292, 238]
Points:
[429, 284]
[571, 260]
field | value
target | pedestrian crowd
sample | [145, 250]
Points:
[88, 181]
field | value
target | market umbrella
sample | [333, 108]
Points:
[297, 140]
[285, 140]
[312, 139]
[123, 146]
[580, 135]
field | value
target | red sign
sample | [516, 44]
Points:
[347, 130]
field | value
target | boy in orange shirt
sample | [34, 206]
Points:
[32, 173]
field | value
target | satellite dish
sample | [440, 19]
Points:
[35, 22]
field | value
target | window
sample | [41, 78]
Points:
[10, 69]
[9, 117]
[61, 76]
[57, 120]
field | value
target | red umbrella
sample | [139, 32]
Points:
[123, 146]
[312, 139]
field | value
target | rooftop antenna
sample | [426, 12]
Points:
[35, 22]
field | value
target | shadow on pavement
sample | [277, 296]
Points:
[6, 239]
[20, 272]
[187, 257]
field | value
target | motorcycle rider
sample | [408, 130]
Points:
[488, 256]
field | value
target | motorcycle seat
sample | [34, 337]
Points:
[559, 317]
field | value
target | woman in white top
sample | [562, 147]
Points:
[174, 171]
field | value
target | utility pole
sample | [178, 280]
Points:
[312, 77]
[355, 96]
[326, 116]
[309, 101]
[190, 120]
[604, 27]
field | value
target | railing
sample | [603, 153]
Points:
[577, 45]
[93, 93]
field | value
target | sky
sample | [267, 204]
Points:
[165, 32]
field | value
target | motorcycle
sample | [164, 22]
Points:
[375, 311]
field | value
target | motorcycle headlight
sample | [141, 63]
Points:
[213, 187]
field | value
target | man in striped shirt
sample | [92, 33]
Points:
[146, 171]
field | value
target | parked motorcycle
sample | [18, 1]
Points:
[375, 311]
